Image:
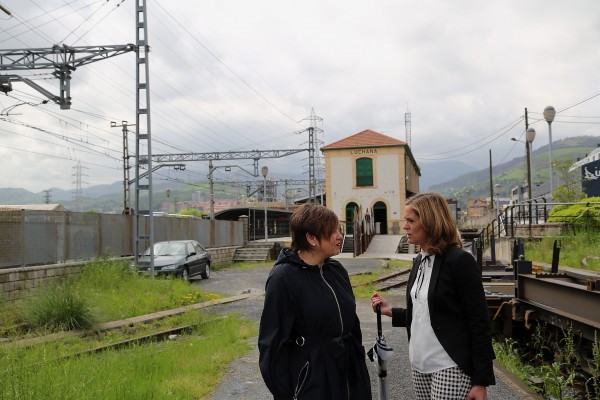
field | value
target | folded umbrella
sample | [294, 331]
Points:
[381, 353]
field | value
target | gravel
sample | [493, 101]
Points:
[243, 380]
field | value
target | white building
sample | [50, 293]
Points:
[589, 168]
[373, 173]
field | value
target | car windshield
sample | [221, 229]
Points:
[168, 249]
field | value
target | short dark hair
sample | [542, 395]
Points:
[436, 219]
[314, 219]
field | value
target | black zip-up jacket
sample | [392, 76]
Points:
[310, 341]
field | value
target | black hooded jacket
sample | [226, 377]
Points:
[310, 341]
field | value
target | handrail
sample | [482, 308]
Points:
[515, 215]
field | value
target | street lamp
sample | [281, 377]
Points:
[265, 171]
[549, 114]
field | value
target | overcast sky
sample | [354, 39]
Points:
[244, 75]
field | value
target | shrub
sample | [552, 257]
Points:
[581, 214]
[59, 307]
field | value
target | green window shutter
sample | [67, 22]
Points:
[364, 172]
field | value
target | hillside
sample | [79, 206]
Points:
[454, 179]
[511, 173]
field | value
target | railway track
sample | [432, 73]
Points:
[394, 280]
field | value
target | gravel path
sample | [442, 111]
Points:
[243, 380]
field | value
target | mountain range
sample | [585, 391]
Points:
[451, 178]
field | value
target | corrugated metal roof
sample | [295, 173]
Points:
[34, 207]
[366, 138]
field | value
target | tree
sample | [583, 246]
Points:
[191, 211]
[569, 189]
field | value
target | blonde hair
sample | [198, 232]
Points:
[436, 220]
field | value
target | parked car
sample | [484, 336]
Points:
[182, 258]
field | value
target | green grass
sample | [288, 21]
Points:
[104, 291]
[360, 282]
[59, 307]
[573, 249]
[118, 293]
[189, 367]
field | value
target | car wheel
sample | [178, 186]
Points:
[185, 274]
[206, 273]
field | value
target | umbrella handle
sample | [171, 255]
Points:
[378, 309]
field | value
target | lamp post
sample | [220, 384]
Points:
[211, 183]
[549, 114]
[529, 136]
[265, 171]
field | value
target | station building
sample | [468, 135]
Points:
[372, 174]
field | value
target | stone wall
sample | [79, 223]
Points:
[220, 255]
[17, 282]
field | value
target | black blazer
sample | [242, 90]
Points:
[459, 314]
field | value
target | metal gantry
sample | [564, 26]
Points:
[143, 139]
[62, 59]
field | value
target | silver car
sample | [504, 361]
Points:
[186, 259]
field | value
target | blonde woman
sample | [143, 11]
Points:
[449, 331]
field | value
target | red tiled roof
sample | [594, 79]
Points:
[366, 138]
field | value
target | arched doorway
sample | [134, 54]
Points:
[349, 218]
[380, 217]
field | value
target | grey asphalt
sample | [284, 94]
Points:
[243, 380]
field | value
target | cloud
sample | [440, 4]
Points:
[236, 75]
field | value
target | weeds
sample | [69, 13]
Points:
[555, 382]
[59, 307]
[592, 386]
[508, 354]
[568, 351]
[573, 250]
[187, 367]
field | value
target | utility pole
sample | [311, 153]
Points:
[529, 191]
[491, 184]
[312, 149]
[5, 10]
[78, 193]
[47, 196]
[143, 138]
[126, 167]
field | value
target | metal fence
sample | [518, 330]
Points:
[533, 219]
[30, 237]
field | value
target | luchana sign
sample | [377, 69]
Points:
[363, 151]
[590, 174]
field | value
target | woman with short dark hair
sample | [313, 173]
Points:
[310, 341]
[448, 323]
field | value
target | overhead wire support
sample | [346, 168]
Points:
[312, 149]
[62, 59]
[254, 155]
[143, 138]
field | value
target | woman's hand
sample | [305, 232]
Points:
[377, 299]
[477, 393]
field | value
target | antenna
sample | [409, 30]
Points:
[407, 127]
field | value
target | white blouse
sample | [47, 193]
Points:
[425, 352]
